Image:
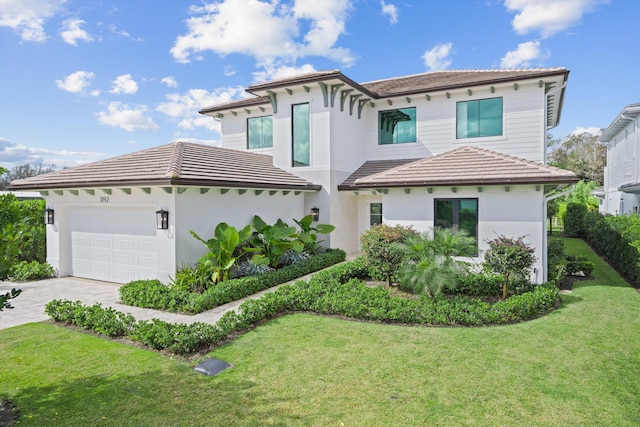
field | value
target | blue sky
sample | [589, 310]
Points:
[86, 80]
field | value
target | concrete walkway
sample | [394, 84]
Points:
[29, 305]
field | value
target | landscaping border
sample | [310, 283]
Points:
[334, 291]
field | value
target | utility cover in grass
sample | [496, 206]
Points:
[211, 366]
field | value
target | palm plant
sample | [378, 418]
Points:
[431, 266]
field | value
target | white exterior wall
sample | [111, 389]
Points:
[203, 212]
[623, 162]
[515, 213]
[523, 118]
[59, 239]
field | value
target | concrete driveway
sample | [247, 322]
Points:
[29, 305]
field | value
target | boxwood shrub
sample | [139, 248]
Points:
[154, 294]
[335, 291]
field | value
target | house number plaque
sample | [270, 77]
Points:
[104, 199]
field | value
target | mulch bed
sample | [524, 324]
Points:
[8, 413]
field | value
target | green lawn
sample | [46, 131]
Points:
[579, 365]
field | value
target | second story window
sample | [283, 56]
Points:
[482, 117]
[260, 132]
[300, 135]
[397, 126]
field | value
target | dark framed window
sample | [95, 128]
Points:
[397, 126]
[482, 117]
[300, 135]
[375, 214]
[260, 132]
[458, 214]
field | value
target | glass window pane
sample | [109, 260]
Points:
[301, 146]
[468, 217]
[260, 132]
[375, 214]
[444, 213]
[397, 126]
[490, 117]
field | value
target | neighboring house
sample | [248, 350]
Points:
[461, 149]
[621, 193]
[23, 195]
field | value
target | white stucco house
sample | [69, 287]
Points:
[463, 149]
[621, 193]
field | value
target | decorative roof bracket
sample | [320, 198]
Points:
[361, 104]
[273, 100]
[325, 93]
[352, 102]
[334, 91]
[343, 97]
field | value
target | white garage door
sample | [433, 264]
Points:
[113, 244]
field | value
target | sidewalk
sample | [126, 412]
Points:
[29, 305]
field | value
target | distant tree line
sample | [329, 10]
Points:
[22, 171]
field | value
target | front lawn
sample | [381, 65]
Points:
[579, 365]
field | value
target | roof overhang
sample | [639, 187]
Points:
[630, 188]
[620, 122]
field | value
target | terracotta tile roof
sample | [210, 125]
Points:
[451, 79]
[408, 85]
[177, 163]
[464, 166]
[371, 167]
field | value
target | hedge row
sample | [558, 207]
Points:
[335, 291]
[606, 240]
[154, 294]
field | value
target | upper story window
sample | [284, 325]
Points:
[482, 117]
[300, 135]
[260, 132]
[397, 126]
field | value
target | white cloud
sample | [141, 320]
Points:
[390, 10]
[272, 72]
[125, 117]
[523, 56]
[548, 17]
[15, 154]
[169, 81]
[595, 131]
[438, 57]
[77, 82]
[27, 18]
[124, 84]
[72, 32]
[230, 27]
[185, 107]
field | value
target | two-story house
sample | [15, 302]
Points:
[461, 149]
[621, 193]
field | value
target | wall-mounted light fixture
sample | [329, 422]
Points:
[162, 219]
[315, 213]
[48, 216]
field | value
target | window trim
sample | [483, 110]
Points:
[502, 124]
[248, 127]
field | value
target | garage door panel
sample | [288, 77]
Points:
[113, 244]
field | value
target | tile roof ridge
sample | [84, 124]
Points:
[470, 70]
[175, 165]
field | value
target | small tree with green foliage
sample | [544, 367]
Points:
[510, 257]
[380, 254]
[430, 265]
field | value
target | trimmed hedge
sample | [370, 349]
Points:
[154, 294]
[335, 291]
[607, 241]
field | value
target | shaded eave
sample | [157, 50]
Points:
[458, 183]
[177, 182]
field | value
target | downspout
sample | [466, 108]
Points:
[547, 199]
[546, 128]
